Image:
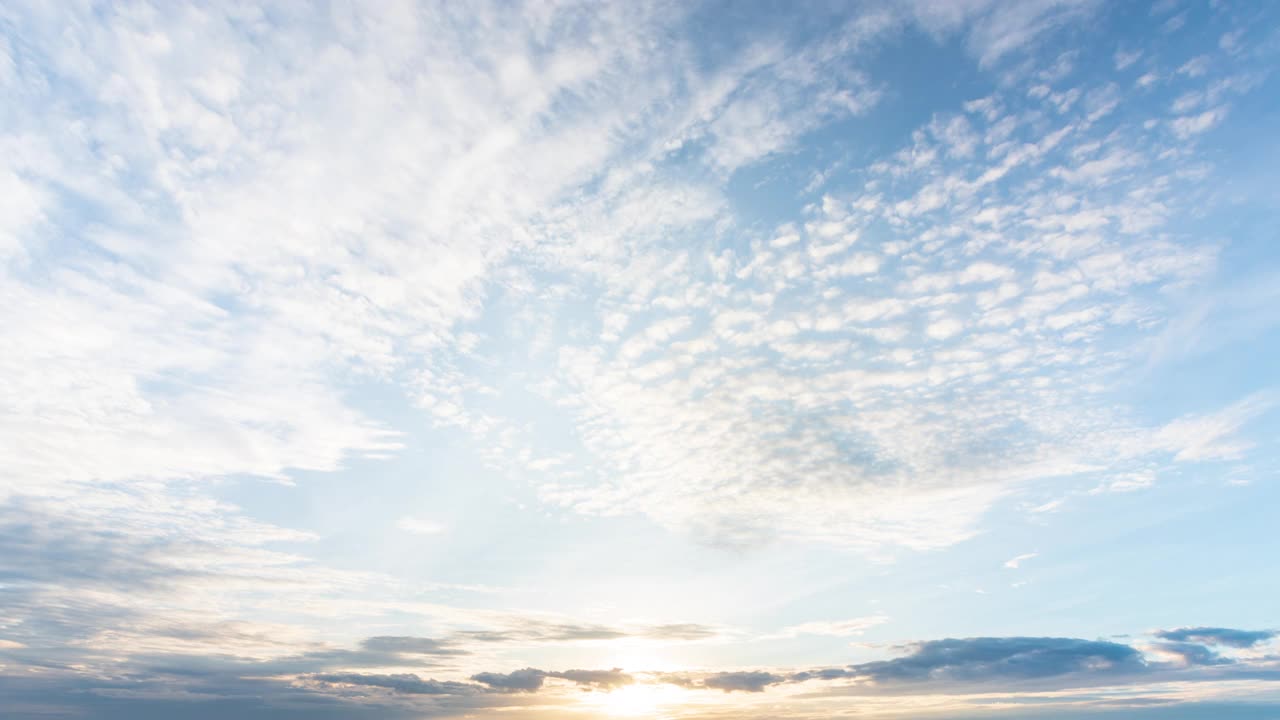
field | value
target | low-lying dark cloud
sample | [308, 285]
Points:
[730, 681]
[530, 679]
[1193, 653]
[1004, 658]
[964, 660]
[400, 682]
[327, 682]
[823, 674]
[526, 680]
[1227, 637]
[28, 697]
[1197, 645]
[601, 679]
[750, 681]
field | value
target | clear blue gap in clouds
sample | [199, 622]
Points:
[769, 360]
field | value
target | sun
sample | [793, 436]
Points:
[636, 700]
[643, 698]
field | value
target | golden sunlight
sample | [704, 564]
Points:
[636, 700]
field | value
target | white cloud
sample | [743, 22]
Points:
[833, 628]
[21, 205]
[995, 29]
[1191, 125]
[1213, 436]
[860, 264]
[754, 437]
[1195, 67]
[1015, 562]
[1050, 506]
[944, 328]
[1124, 58]
[1127, 482]
[244, 221]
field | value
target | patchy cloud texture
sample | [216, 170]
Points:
[424, 359]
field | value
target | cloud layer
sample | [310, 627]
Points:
[676, 288]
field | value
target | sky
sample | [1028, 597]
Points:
[794, 360]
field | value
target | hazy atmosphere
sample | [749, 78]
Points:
[713, 361]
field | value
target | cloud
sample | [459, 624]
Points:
[526, 629]
[1226, 637]
[603, 679]
[1015, 562]
[755, 681]
[994, 29]
[954, 352]
[1012, 667]
[823, 674]
[1196, 66]
[1124, 59]
[531, 679]
[540, 164]
[1199, 646]
[1188, 126]
[978, 660]
[27, 699]
[526, 680]
[1213, 436]
[835, 628]
[1127, 482]
[554, 632]
[402, 683]
[226, 235]
[751, 681]
[680, 631]
[944, 328]
[1191, 653]
[407, 644]
[967, 664]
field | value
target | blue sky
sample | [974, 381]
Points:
[639, 359]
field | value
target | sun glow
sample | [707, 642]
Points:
[637, 700]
